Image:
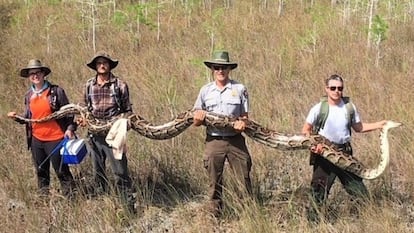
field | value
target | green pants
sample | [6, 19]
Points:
[323, 177]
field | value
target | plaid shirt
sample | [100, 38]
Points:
[102, 100]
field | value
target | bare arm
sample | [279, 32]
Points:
[366, 127]
[307, 129]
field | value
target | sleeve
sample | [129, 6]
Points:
[125, 101]
[85, 94]
[26, 113]
[356, 118]
[313, 114]
[199, 103]
[244, 101]
[62, 99]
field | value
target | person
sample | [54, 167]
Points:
[336, 129]
[228, 97]
[41, 100]
[107, 96]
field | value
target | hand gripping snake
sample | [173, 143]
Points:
[253, 130]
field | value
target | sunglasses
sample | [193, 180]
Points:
[219, 67]
[336, 88]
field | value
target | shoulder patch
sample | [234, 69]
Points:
[245, 94]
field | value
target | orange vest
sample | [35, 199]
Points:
[40, 107]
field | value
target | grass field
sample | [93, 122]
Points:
[285, 50]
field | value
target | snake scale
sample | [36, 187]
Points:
[253, 130]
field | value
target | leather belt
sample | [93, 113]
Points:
[211, 137]
[342, 146]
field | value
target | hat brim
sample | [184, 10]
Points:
[232, 65]
[25, 72]
[112, 63]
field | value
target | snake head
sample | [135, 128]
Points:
[392, 124]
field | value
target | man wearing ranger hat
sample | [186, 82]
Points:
[226, 97]
[107, 96]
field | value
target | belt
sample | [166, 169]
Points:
[211, 137]
[99, 134]
[342, 145]
[346, 147]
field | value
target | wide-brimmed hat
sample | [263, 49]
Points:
[112, 62]
[34, 64]
[220, 58]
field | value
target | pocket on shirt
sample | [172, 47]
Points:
[211, 105]
[233, 105]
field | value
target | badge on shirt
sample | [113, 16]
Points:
[234, 93]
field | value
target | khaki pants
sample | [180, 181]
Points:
[217, 150]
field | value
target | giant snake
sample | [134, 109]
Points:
[253, 130]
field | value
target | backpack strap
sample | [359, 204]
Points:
[88, 94]
[322, 116]
[324, 110]
[350, 112]
[53, 97]
[116, 92]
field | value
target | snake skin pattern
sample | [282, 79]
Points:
[253, 130]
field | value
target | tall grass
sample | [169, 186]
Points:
[285, 50]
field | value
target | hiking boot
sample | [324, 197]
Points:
[214, 208]
[129, 200]
[131, 209]
[313, 215]
[71, 195]
[43, 192]
[42, 196]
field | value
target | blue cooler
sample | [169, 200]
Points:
[73, 151]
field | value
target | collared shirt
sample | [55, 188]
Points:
[103, 98]
[231, 101]
[336, 125]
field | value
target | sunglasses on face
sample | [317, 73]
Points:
[219, 67]
[336, 88]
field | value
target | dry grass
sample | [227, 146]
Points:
[283, 60]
